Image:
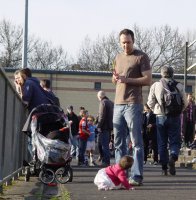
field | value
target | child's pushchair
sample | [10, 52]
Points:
[49, 130]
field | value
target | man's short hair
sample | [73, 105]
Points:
[127, 32]
[167, 72]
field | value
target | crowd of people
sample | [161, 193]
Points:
[86, 129]
[133, 130]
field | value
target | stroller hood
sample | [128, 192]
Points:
[39, 110]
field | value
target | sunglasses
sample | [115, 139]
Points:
[89, 120]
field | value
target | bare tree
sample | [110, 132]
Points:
[164, 46]
[191, 37]
[45, 56]
[85, 58]
[41, 55]
[10, 44]
[100, 54]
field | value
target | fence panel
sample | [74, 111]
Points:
[13, 143]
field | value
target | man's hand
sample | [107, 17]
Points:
[118, 78]
[115, 77]
[122, 79]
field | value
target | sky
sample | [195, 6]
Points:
[68, 22]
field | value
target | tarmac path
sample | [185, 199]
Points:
[156, 187]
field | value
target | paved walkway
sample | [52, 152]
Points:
[156, 187]
[182, 186]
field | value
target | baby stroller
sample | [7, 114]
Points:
[49, 130]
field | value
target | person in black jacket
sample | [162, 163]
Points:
[150, 134]
[74, 130]
[105, 125]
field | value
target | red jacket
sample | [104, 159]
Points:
[118, 175]
[83, 125]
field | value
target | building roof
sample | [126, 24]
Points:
[95, 73]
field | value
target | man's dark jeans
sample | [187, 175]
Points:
[168, 134]
[104, 138]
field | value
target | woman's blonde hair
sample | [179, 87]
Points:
[126, 162]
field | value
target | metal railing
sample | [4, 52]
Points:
[186, 68]
[13, 143]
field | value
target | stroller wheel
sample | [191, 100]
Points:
[46, 176]
[64, 174]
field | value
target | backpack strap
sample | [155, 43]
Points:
[168, 90]
[166, 86]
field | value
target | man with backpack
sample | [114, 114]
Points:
[167, 100]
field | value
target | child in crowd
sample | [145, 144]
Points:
[90, 148]
[84, 134]
[114, 177]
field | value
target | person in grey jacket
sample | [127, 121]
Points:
[105, 125]
[168, 126]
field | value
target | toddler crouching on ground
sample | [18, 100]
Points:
[114, 176]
